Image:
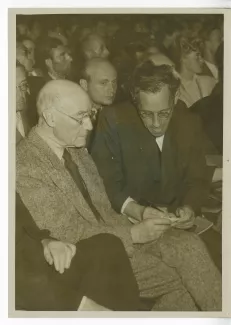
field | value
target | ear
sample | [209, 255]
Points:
[177, 96]
[49, 118]
[48, 63]
[83, 84]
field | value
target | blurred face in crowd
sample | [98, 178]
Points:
[152, 50]
[102, 83]
[101, 28]
[96, 48]
[84, 32]
[70, 115]
[60, 61]
[112, 28]
[22, 29]
[30, 46]
[141, 27]
[22, 89]
[24, 57]
[155, 110]
[214, 40]
[35, 31]
[154, 26]
[193, 62]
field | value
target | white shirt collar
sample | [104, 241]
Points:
[160, 141]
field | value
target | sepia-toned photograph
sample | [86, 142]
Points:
[118, 162]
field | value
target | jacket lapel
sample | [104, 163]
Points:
[19, 137]
[62, 178]
[168, 162]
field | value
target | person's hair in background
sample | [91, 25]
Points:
[187, 54]
[212, 38]
[56, 30]
[34, 28]
[150, 78]
[21, 26]
[170, 30]
[100, 27]
[94, 46]
[195, 84]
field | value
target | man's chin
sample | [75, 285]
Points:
[79, 143]
[155, 133]
[108, 101]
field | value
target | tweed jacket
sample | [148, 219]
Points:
[53, 199]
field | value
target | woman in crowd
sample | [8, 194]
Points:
[188, 62]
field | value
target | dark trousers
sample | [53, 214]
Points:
[100, 270]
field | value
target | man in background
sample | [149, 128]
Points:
[53, 59]
[99, 80]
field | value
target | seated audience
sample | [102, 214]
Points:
[60, 186]
[148, 121]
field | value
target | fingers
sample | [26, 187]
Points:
[73, 249]
[158, 221]
[59, 261]
[161, 227]
[68, 257]
[58, 252]
[61, 254]
[48, 256]
[184, 225]
[153, 213]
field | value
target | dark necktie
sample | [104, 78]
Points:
[75, 174]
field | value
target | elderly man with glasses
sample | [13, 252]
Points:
[53, 185]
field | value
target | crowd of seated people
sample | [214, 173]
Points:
[117, 120]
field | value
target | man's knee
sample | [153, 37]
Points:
[182, 242]
[106, 244]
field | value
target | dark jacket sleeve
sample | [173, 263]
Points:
[25, 223]
[106, 152]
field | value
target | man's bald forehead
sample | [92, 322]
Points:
[98, 63]
[62, 87]
[56, 92]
